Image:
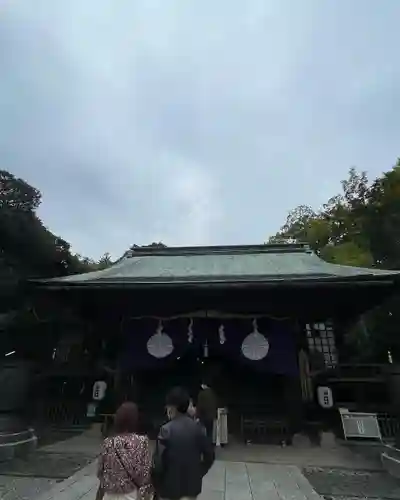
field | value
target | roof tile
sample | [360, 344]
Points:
[221, 264]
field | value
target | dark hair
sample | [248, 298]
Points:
[126, 418]
[179, 399]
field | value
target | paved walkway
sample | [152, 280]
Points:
[225, 481]
[301, 455]
[87, 443]
[252, 472]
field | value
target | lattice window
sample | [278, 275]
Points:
[321, 339]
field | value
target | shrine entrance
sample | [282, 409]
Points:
[248, 388]
[245, 391]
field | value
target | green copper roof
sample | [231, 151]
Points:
[223, 264]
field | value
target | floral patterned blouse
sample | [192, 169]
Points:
[125, 464]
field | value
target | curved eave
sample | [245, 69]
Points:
[390, 279]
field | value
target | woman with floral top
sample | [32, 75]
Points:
[125, 462]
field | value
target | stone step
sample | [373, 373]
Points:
[17, 444]
[14, 437]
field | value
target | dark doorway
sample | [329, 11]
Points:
[153, 385]
[244, 390]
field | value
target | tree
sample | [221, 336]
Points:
[16, 194]
[27, 247]
[383, 219]
[297, 225]
[104, 262]
[335, 232]
[88, 263]
[361, 227]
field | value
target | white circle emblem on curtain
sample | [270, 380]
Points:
[255, 346]
[160, 344]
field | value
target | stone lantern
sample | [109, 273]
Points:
[17, 438]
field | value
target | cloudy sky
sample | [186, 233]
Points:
[193, 121]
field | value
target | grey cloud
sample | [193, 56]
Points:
[193, 122]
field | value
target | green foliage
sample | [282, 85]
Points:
[347, 253]
[336, 230]
[104, 262]
[27, 248]
[16, 194]
[92, 265]
[358, 227]
[383, 219]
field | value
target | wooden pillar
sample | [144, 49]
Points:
[293, 404]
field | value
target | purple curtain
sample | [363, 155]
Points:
[281, 357]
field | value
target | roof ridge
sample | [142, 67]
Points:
[219, 249]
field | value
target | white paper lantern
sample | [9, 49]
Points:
[325, 397]
[99, 390]
[160, 344]
[255, 346]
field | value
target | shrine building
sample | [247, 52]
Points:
[257, 323]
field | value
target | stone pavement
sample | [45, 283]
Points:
[346, 483]
[225, 481]
[87, 444]
[23, 488]
[26, 479]
[240, 473]
[303, 454]
[82, 485]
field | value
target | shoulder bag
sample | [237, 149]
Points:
[133, 481]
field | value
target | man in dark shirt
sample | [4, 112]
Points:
[183, 454]
[206, 408]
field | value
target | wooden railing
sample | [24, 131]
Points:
[62, 413]
[358, 373]
[389, 425]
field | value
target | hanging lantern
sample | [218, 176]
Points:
[190, 331]
[221, 332]
[160, 344]
[99, 390]
[324, 396]
[255, 346]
